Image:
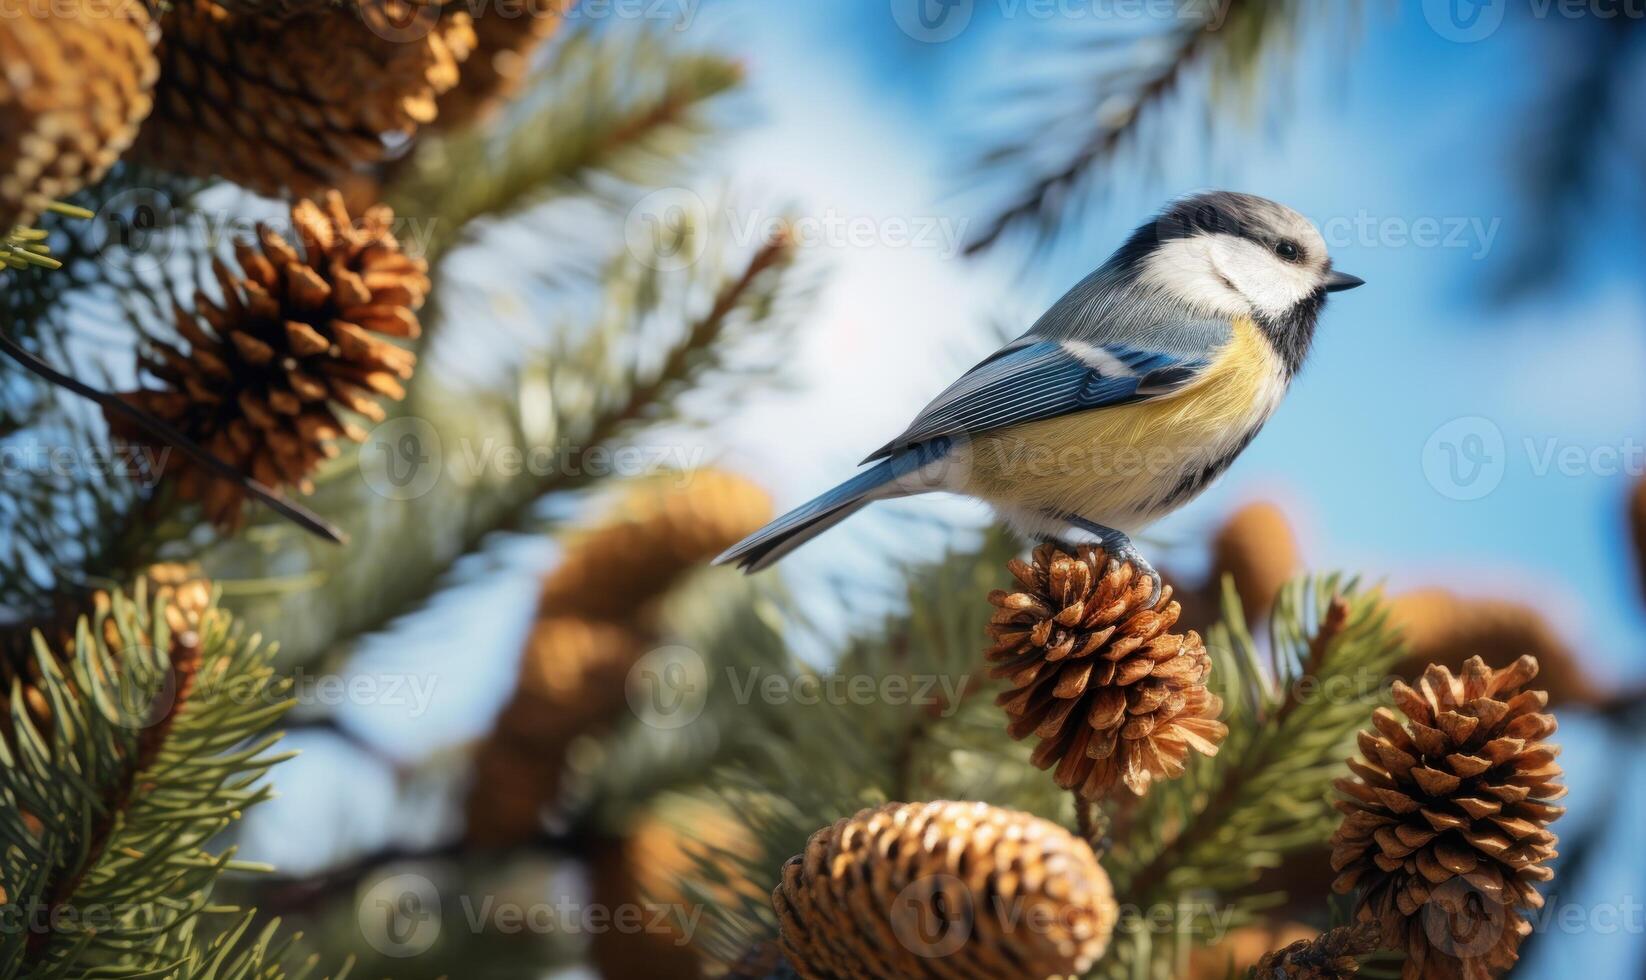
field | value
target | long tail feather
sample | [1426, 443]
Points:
[760, 549]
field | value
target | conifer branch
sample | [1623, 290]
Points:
[1133, 84]
[152, 707]
[613, 103]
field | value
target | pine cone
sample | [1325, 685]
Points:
[497, 68]
[685, 859]
[1445, 829]
[572, 680]
[1441, 627]
[763, 961]
[1332, 955]
[297, 104]
[1257, 548]
[77, 82]
[1096, 674]
[659, 534]
[292, 335]
[943, 889]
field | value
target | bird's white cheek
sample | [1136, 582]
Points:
[1272, 286]
[1186, 269]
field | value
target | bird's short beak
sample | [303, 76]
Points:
[1337, 282]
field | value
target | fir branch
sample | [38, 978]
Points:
[1127, 91]
[612, 103]
[698, 352]
[138, 746]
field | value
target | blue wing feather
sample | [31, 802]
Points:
[1034, 379]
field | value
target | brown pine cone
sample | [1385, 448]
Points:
[1332, 955]
[298, 104]
[1441, 627]
[943, 889]
[660, 533]
[1096, 674]
[571, 682]
[677, 860]
[1445, 828]
[294, 334]
[763, 961]
[1257, 548]
[506, 37]
[77, 81]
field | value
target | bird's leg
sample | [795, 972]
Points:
[1119, 547]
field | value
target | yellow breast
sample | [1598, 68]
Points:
[1120, 464]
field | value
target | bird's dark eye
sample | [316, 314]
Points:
[1287, 250]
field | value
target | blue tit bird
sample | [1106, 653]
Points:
[1126, 399]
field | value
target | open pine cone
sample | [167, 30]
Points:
[294, 333]
[943, 889]
[1097, 674]
[1446, 824]
[297, 104]
[76, 84]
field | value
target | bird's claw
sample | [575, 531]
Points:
[1119, 548]
[1127, 554]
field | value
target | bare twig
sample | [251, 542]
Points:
[296, 513]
